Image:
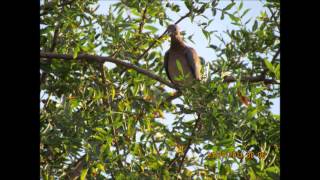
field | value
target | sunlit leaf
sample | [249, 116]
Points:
[151, 28]
[83, 173]
[229, 6]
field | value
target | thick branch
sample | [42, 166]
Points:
[101, 59]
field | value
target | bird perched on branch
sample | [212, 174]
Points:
[181, 62]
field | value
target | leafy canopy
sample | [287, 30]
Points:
[101, 122]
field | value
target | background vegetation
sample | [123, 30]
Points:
[99, 122]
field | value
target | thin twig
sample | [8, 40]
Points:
[75, 169]
[275, 56]
[189, 142]
[144, 15]
[55, 37]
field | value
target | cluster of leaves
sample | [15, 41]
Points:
[99, 122]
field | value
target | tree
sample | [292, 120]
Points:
[99, 122]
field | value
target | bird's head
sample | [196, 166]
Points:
[173, 30]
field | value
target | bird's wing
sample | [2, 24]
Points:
[166, 64]
[193, 62]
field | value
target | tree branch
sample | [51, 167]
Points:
[251, 79]
[189, 142]
[101, 59]
[144, 14]
[55, 37]
[275, 56]
[76, 168]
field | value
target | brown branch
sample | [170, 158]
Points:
[101, 59]
[275, 56]
[189, 142]
[76, 168]
[173, 160]
[251, 79]
[161, 36]
[55, 37]
[183, 17]
[144, 14]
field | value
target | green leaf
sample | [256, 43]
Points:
[188, 4]
[176, 8]
[206, 34]
[208, 146]
[234, 18]
[245, 12]
[166, 174]
[151, 28]
[240, 6]
[252, 113]
[213, 46]
[252, 174]
[277, 72]
[268, 65]
[101, 167]
[229, 6]
[83, 174]
[214, 12]
[113, 92]
[222, 16]
[152, 55]
[255, 25]
[134, 12]
[75, 52]
[273, 169]
[179, 66]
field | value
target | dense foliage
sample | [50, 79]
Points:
[99, 122]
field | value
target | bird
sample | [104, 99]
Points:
[187, 58]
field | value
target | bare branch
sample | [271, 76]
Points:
[101, 59]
